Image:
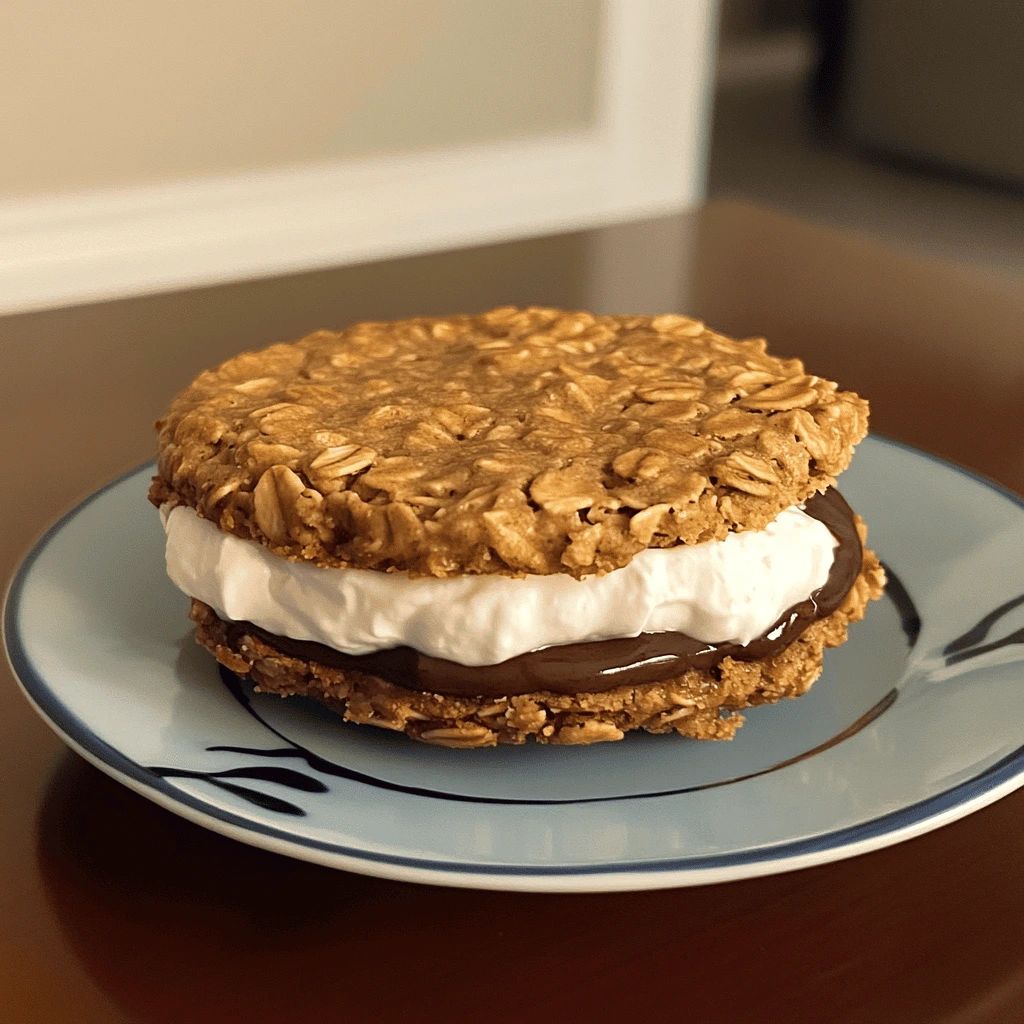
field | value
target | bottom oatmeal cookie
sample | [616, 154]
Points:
[700, 704]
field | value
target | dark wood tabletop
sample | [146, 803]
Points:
[112, 909]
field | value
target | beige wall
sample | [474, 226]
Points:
[110, 92]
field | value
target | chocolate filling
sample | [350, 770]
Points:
[599, 664]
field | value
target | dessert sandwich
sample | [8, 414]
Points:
[478, 529]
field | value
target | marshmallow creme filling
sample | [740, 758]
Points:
[670, 610]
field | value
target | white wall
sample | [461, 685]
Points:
[165, 146]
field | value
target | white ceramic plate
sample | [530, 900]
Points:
[916, 721]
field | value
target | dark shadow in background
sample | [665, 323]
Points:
[178, 924]
[922, 46]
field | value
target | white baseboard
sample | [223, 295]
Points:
[645, 155]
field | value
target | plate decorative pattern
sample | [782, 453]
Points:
[896, 738]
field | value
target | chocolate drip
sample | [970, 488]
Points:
[599, 664]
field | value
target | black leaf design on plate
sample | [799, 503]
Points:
[234, 685]
[264, 773]
[970, 645]
[910, 618]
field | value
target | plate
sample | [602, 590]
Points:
[916, 721]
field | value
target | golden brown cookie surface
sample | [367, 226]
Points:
[517, 441]
[698, 704]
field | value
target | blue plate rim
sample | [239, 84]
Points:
[69, 725]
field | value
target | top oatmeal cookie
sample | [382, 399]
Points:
[517, 441]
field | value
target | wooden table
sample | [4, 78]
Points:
[112, 909]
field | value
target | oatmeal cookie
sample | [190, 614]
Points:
[519, 441]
